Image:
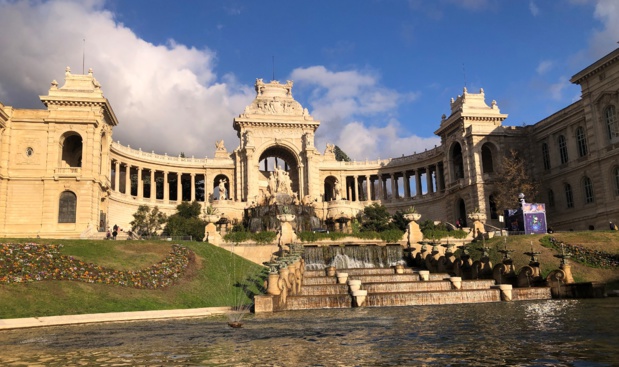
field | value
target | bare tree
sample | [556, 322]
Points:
[513, 180]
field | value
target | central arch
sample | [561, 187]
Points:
[278, 157]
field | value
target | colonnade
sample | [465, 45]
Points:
[396, 185]
[162, 186]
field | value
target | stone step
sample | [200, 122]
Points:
[432, 298]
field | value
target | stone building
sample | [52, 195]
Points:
[61, 174]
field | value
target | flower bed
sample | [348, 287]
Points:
[587, 256]
[20, 263]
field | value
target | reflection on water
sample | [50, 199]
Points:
[541, 333]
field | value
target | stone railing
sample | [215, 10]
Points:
[142, 155]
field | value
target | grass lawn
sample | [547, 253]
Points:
[215, 278]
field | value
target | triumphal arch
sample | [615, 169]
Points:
[62, 175]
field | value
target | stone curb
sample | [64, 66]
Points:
[32, 322]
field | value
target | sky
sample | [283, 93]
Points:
[377, 74]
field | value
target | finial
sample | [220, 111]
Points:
[67, 71]
[481, 90]
[90, 71]
[54, 84]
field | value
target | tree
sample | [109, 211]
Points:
[147, 221]
[376, 218]
[186, 221]
[340, 155]
[513, 180]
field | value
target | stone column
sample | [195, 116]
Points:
[166, 188]
[429, 180]
[117, 176]
[394, 188]
[193, 186]
[140, 184]
[407, 188]
[418, 182]
[179, 187]
[153, 186]
[368, 187]
[301, 176]
[356, 188]
[127, 179]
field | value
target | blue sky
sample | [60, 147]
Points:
[377, 74]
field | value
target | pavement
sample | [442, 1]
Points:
[32, 322]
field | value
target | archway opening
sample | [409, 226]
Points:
[457, 162]
[72, 150]
[275, 162]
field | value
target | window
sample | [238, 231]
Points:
[486, 159]
[582, 141]
[611, 122]
[546, 156]
[551, 198]
[616, 175]
[569, 198]
[66, 208]
[562, 149]
[588, 186]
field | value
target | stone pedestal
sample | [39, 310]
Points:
[424, 275]
[506, 291]
[413, 233]
[211, 235]
[287, 234]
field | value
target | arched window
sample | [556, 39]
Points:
[611, 122]
[569, 197]
[493, 212]
[72, 150]
[562, 149]
[546, 156]
[616, 175]
[457, 162]
[486, 159]
[588, 186]
[582, 141]
[551, 198]
[67, 207]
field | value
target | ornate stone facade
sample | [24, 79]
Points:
[61, 175]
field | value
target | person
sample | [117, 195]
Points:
[613, 226]
[115, 233]
[108, 235]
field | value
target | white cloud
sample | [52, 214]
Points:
[605, 40]
[361, 142]
[533, 8]
[544, 67]
[359, 112]
[166, 97]
[556, 89]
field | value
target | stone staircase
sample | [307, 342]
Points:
[385, 288]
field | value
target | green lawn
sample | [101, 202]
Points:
[215, 277]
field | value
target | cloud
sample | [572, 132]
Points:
[556, 89]
[605, 40]
[361, 142]
[167, 98]
[544, 67]
[355, 106]
[533, 8]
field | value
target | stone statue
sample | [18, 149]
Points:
[330, 149]
[337, 190]
[259, 86]
[309, 140]
[219, 146]
[222, 189]
[248, 137]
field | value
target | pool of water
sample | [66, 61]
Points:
[538, 333]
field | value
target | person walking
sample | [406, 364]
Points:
[115, 233]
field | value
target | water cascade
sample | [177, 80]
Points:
[352, 257]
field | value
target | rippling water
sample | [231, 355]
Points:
[541, 333]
